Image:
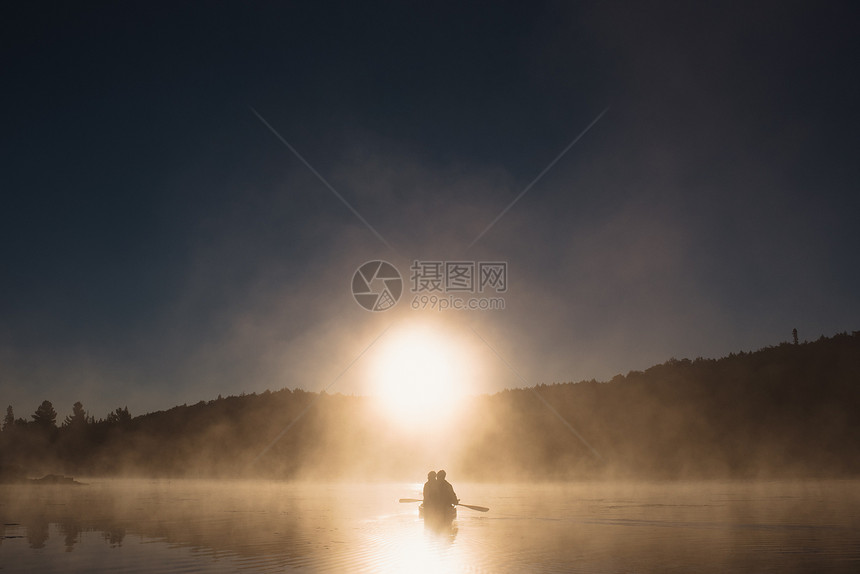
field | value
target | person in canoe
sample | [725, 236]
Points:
[445, 493]
[431, 490]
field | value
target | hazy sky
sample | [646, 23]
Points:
[160, 245]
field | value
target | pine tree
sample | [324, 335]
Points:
[9, 421]
[78, 418]
[45, 416]
[120, 417]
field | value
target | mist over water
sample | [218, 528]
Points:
[264, 526]
[745, 464]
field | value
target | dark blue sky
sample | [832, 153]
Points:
[160, 245]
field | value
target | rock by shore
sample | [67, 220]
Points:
[54, 479]
[16, 475]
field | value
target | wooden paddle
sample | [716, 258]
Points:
[478, 508]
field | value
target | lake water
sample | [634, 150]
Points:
[211, 526]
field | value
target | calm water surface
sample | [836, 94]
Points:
[209, 526]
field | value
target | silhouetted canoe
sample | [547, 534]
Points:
[444, 514]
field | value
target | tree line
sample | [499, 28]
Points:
[45, 419]
[788, 410]
[42, 445]
[783, 411]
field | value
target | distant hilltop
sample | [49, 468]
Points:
[782, 411]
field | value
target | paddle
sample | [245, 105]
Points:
[478, 508]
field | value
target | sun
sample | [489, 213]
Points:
[420, 375]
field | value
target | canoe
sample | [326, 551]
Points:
[439, 514]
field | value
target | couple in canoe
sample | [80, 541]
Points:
[438, 493]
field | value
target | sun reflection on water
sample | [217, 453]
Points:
[417, 547]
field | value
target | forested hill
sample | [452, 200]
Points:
[788, 410]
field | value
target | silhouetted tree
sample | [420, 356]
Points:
[45, 416]
[120, 417]
[9, 421]
[794, 335]
[78, 418]
[74, 445]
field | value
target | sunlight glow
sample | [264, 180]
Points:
[420, 376]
